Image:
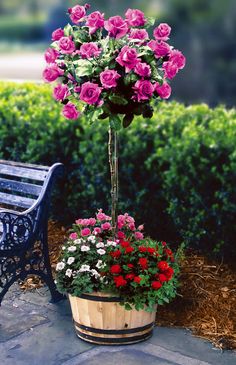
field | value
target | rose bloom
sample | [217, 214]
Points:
[106, 226]
[170, 69]
[116, 27]
[57, 34]
[115, 269]
[60, 92]
[135, 17]
[156, 285]
[143, 90]
[128, 58]
[73, 236]
[92, 221]
[162, 32]
[51, 55]
[177, 58]
[143, 69]
[70, 111]
[140, 34]
[143, 262]
[77, 13]
[129, 249]
[95, 21]
[142, 249]
[52, 72]
[151, 250]
[97, 230]
[116, 254]
[88, 50]
[163, 265]
[141, 227]
[164, 90]
[85, 232]
[90, 92]
[125, 244]
[138, 235]
[100, 215]
[160, 49]
[109, 78]
[66, 45]
[120, 235]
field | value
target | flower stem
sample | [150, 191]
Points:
[113, 162]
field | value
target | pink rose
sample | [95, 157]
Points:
[128, 58]
[66, 45]
[88, 50]
[160, 49]
[128, 218]
[138, 235]
[141, 34]
[100, 215]
[79, 221]
[90, 92]
[106, 226]
[51, 55]
[141, 227]
[70, 111]
[73, 236]
[116, 27]
[135, 17]
[143, 89]
[92, 221]
[162, 32]
[52, 72]
[108, 78]
[177, 58]
[97, 230]
[60, 92]
[84, 222]
[132, 226]
[170, 69]
[85, 232]
[164, 90]
[77, 13]
[95, 21]
[143, 69]
[57, 34]
[120, 235]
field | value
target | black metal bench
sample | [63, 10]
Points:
[25, 191]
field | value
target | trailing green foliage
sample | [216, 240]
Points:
[177, 172]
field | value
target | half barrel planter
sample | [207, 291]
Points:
[99, 318]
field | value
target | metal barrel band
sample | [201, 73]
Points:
[100, 299]
[113, 331]
[113, 340]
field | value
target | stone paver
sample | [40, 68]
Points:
[34, 332]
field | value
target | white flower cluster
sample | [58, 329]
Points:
[86, 268]
[111, 243]
[91, 239]
[100, 264]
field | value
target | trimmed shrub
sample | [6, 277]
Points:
[177, 171]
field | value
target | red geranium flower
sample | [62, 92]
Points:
[119, 281]
[115, 269]
[143, 262]
[130, 266]
[142, 249]
[151, 250]
[169, 273]
[168, 252]
[129, 249]
[156, 285]
[162, 278]
[163, 243]
[137, 279]
[125, 244]
[163, 265]
[129, 276]
[116, 254]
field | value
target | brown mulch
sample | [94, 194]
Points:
[206, 301]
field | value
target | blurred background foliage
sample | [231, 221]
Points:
[204, 29]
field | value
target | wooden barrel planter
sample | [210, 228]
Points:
[100, 319]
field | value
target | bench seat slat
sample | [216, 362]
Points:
[19, 186]
[22, 164]
[15, 200]
[23, 172]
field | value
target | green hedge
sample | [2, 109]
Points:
[27, 29]
[177, 171]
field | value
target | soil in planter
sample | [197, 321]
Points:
[207, 295]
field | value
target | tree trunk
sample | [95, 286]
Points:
[113, 162]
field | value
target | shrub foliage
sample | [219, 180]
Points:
[177, 172]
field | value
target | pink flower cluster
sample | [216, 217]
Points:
[134, 57]
[101, 226]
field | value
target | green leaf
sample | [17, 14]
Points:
[81, 36]
[68, 30]
[115, 122]
[127, 120]
[150, 22]
[83, 68]
[119, 100]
